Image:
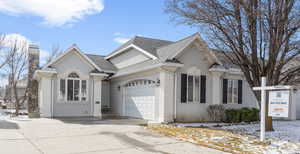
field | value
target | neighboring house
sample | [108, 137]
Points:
[2, 94]
[9, 97]
[145, 78]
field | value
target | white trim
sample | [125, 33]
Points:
[46, 71]
[131, 46]
[231, 70]
[148, 68]
[196, 37]
[99, 74]
[65, 99]
[70, 50]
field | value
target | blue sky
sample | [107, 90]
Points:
[95, 26]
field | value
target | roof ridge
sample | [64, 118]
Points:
[179, 40]
[93, 54]
[137, 36]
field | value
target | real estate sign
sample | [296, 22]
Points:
[279, 103]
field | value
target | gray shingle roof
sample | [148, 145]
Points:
[101, 62]
[160, 48]
[165, 51]
[148, 44]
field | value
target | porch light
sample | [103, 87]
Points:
[157, 82]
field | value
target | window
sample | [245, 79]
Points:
[232, 91]
[197, 88]
[190, 88]
[193, 88]
[83, 90]
[62, 91]
[72, 88]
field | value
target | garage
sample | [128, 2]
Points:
[140, 99]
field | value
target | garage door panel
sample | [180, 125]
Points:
[140, 101]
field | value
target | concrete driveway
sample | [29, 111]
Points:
[87, 136]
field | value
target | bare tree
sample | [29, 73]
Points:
[56, 51]
[15, 70]
[260, 36]
[3, 58]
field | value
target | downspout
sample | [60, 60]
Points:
[92, 99]
[52, 98]
[175, 96]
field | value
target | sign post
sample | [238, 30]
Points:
[278, 104]
[263, 109]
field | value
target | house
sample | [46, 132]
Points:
[147, 78]
[2, 94]
[9, 96]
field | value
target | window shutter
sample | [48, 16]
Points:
[225, 86]
[203, 89]
[240, 91]
[183, 87]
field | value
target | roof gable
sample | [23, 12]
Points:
[172, 50]
[75, 49]
[145, 45]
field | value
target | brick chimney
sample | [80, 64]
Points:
[33, 65]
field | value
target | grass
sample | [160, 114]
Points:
[213, 138]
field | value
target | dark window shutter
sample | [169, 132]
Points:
[240, 91]
[203, 89]
[225, 86]
[183, 87]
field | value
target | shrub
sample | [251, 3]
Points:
[255, 112]
[233, 115]
[246, 115]
[242, 115]
[4, 107]
[216, 112]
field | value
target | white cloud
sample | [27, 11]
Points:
[22, 41]
[121, 40]
[14, 38]
[53, 12]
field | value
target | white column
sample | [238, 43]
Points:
[166, 98]
[97, 97]
[45, 100]
[216, 87]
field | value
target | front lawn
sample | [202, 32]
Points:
[237, 138]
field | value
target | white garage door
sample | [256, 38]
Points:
[140, 99]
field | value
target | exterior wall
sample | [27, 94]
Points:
[249, 99]
[298, 106]
[189, 112]
[295, 106]
[69, 63]
[127, 58]
[116, 93]
[105, 100]
[194, 59]
[45, 96]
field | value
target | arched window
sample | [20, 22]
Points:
[73, 88]
[73, 75]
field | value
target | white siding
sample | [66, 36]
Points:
[105, 100]
[69, 63]
[194, 57]
[127, 58]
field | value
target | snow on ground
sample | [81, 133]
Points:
[284, 130]
[5, 114]
[284, 139]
